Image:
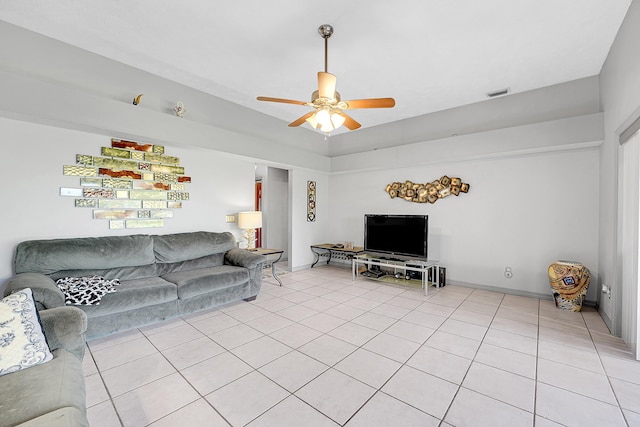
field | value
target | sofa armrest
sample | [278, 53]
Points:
[45, 292]
[65, 327]
[243, 258]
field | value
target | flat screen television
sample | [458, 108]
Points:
[400, 236]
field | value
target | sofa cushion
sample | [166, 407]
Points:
[43, 389]
[197, 282]
[63, 417]
[133, 294]
[87, 253]
[185, 246]
[22, 343]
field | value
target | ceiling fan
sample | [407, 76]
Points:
[328, 109]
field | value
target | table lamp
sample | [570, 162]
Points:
[249, 221]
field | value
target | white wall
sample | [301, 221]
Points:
[524, 210]
[304, 233]
[620, 97]
[34, 156]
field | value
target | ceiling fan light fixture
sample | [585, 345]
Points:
[313, 121]
[337, 119]
[328, 109]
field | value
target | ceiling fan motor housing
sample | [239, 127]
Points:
[325, 31]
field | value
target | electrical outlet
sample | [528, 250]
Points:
[508, 273]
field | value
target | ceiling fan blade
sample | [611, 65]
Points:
[349, 122]
[326, 85]
[300, 120]
[286, 101]
[371, 103]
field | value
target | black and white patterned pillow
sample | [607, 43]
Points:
[86, 290]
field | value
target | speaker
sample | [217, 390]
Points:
[443, 276]
[410, 274]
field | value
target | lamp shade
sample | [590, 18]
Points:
[249, 220]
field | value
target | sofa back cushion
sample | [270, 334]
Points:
[87, 253]
[176, 248]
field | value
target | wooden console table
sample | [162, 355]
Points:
[328, 249]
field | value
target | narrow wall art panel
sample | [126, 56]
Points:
[311, 201]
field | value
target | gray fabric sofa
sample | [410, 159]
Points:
[162, 276]
[53, 393]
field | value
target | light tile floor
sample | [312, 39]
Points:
[327, 351]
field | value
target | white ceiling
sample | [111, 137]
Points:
[429, 55]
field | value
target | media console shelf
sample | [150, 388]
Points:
[399, 272]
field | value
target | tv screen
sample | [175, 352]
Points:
[397, 235]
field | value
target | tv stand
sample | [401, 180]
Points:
[409, 272]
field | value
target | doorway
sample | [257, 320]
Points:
[275, 206]
[629, 206]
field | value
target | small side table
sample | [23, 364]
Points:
[266, 252]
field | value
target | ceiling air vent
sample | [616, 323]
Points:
[497, 93]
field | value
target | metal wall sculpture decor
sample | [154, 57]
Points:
[311, 201]
[132, 186]
[427, 193]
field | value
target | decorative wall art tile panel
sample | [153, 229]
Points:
[161, 213]
[160, 158]
[151, 185]
[78, 171]
[178, 170]
[177, 195]
[165, 177]
[119, 143]
[116, 183]
[119, 174]
[91, 182]
[141, 184]
[115, 213]
[115, 164]
[154, 204]
[73, 192]
[86, 203]
[148, 195]
[119, 204]
[116, 152]
[83, 159]
[98, 193]
[144, 223]
[116, 224]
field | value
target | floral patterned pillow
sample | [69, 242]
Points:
[22, 343]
